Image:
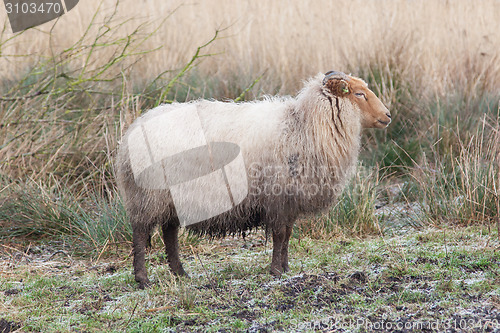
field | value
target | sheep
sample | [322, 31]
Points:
[295, 156]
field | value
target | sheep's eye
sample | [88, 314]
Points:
[360, 94]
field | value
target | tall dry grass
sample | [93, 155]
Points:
[438, 45]
[69, 89]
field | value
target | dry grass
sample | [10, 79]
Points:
[70, 88]
[437, 45]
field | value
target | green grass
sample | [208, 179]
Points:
[412, 239]
[436, 274]
[40, 212]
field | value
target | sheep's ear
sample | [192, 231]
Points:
[338, 87]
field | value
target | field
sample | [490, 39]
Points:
[414, 239]
[424, 281]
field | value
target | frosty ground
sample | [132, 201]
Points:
[425, 279]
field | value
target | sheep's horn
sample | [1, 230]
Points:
[334, 75]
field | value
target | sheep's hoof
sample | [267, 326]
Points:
[178, 270]
[275, 271]
[182, 274]
[144, 285]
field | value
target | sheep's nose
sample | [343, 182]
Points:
[388, 115]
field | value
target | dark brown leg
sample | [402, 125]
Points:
[170, 237]
[284, 249]
[278, 239]
[140, 237]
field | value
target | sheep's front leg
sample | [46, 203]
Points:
[140, 237]
[284, 249]
[171, 240]
[279, 236]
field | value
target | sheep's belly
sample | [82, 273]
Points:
[233, 222]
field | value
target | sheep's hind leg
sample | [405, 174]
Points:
[284, 249]
[170, 238]
[140, 236]
[279, 237]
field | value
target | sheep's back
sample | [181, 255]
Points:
[254, 127]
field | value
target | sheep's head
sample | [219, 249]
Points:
[374, 114]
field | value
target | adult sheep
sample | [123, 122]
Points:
[297, 154]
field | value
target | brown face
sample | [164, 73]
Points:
[374, 114]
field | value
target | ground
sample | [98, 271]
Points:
[424, 280]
